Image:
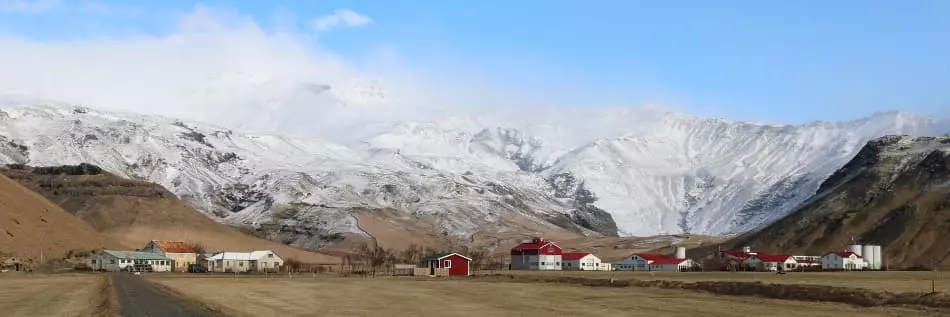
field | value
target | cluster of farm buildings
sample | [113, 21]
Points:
[532, 254]
[176, 256]
[540, 254]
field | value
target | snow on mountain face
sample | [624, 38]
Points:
[253, 180]
[716, 177]
[668, 173]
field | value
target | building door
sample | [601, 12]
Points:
[432, 267]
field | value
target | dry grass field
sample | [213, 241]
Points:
[336, 296]
[55, 295]
[892, 281]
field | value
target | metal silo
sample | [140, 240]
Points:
[856, 249]
[878, 257]
[680, 252]
[869, 256]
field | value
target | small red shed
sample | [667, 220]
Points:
[455, 264]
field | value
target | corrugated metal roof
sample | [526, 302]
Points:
[136, 255]
[241, 256]
[174, 246]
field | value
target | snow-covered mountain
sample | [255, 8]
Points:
[646, 172]
[244, 179]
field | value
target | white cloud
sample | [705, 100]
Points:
[216, 66]
[340, 18]
[222, 67]
[27, 6]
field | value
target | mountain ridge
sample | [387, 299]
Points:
[461, 175]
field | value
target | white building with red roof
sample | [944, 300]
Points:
[536, 254]
[772, 262]
[842, 261]
[654, 262]
[582, 261]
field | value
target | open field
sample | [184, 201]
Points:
[336, 296]
[54, 295]
[891, 281]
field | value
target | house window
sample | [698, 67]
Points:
[112, 261]
[447, 264]
[270, 255]
[241, 264]
[542, 263]
[93, 261]
[550, 249]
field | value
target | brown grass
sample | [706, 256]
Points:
[56, 295]
[332, 296]
[31, 225]
[892, 281]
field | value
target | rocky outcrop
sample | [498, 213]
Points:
[894, 193]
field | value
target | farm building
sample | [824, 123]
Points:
[182, 254]
[450, 264]
[582, 262]
[654, 262]
[536, 254]
[842, 261]
[772, 262]
[638, 262]
[118, 261]
[240, 262]
[673, 265]
[735, 259]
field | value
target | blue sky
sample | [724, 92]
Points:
[771, 61]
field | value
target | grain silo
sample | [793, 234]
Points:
[856, 249]
[680, 252]
[867, 252]
[878, 257]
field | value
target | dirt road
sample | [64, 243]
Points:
[140, 298]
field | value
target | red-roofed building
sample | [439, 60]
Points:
[654, 262]
[181, 254]
[536, 254]
[772, 262]
[842, 261]
[582, 261]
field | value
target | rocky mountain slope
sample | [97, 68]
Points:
[894, 193]
[132, 212]
[664, 172]
[34, 229]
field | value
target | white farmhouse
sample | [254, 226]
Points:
[240, 262]
[842, 261]
[120, 261]
[582, 262]
[772, 262]
[654, 262]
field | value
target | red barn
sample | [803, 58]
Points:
[452, 264]
[536, 254]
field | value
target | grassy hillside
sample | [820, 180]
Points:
[31, 226]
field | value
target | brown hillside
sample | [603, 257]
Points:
[895, 193]
[134, 212]
[31, 225]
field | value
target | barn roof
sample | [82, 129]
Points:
[174, 246]
[844, 254]
[765, 257]
[652, 256]
[535, 244]
[135, 255]
[737, 253]
[668, 261]
[439, 256]
[574, 256]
